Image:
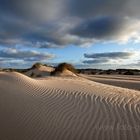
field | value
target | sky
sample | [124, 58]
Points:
[103, 34]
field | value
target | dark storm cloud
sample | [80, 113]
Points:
[99, 27]
[52, 8]
[88, 8]
[57, 23]
[31, 9]
[28, 22]
[93, 7]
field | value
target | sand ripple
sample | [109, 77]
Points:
[58, 108]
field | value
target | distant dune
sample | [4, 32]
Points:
[66, 108]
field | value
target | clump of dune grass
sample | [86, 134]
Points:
[37, 65]
[62, 67]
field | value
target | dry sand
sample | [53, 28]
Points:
[125, 81]
[41, 71]
[66, 108]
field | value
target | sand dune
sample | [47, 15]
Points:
[66, 108]
[40, 71]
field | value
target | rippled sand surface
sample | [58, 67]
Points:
[66, 108]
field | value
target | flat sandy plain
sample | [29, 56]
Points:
[66, 108]
[125, 81]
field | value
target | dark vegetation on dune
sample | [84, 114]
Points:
[62, 67]
[66, 66]
[110, 71]
[38, 65]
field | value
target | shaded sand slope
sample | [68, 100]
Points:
[66, 109]
[130, 82]
[40, 71]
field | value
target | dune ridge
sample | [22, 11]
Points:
[66, 108]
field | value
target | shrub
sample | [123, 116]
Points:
[129, 73]
[64, 66]
[36, 65]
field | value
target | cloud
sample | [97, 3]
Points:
[32, 9]
[96, 61]
[14, 56]
[49, 35]
[134, 65]
[20, 54]
[109, 29]
[108, 57]
[111, 60]
[59, 23]
[104, 7]
[99, 27]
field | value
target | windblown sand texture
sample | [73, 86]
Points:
[66, 108]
